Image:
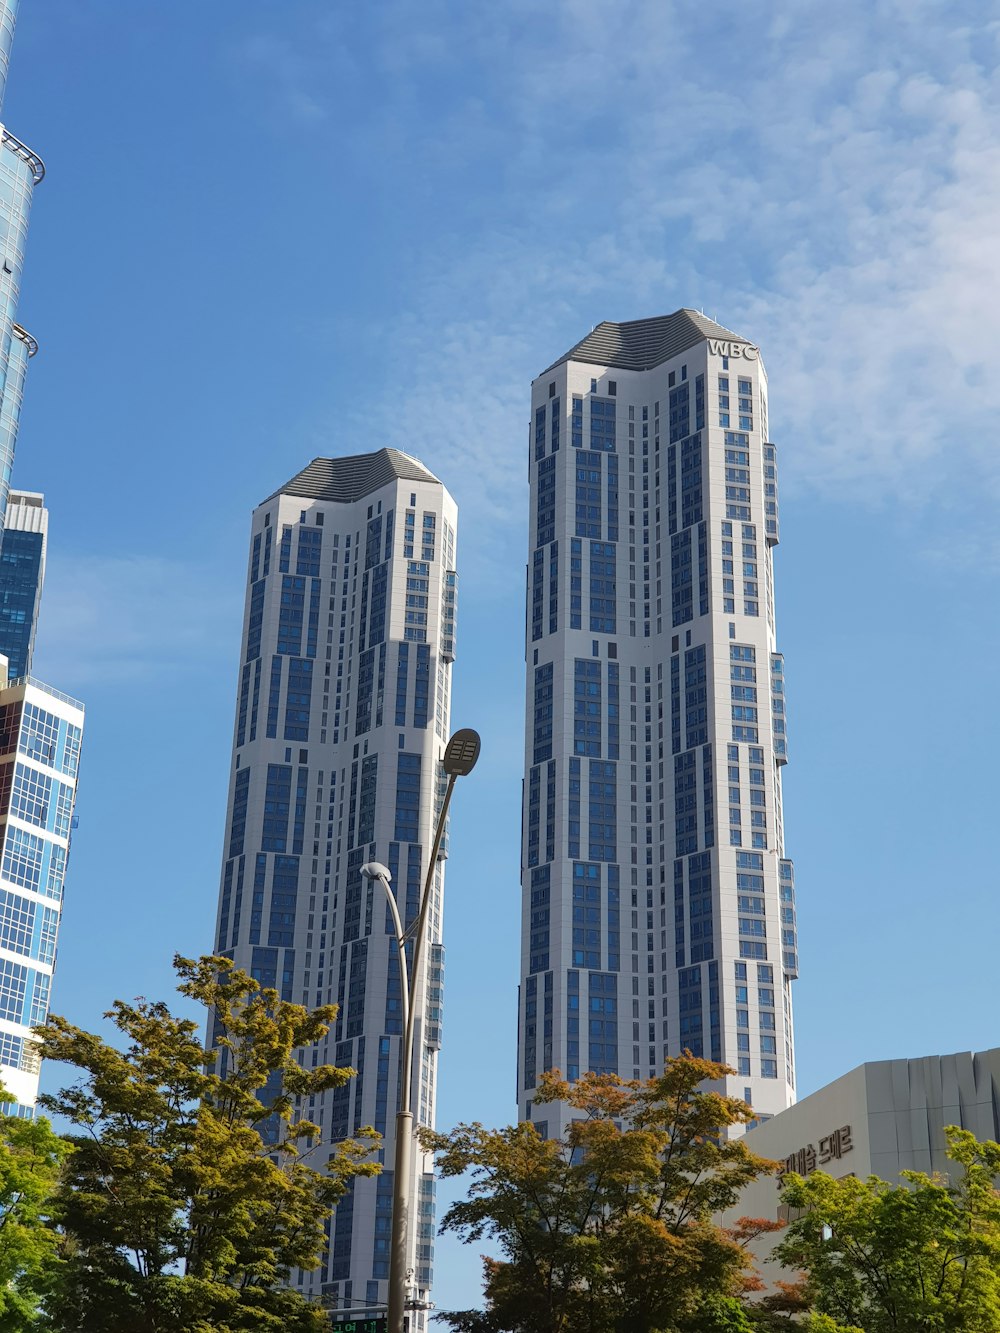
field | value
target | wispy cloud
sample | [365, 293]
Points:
[283, 73]
[833, 191]
[115, 619]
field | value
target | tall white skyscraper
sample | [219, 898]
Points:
[658, 908]
[342, 717]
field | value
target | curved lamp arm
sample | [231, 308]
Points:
[374, 871]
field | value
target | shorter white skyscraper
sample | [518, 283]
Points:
[342, 717]
[40, 736]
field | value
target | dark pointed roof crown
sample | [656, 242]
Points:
[641, 344]
[349, 479]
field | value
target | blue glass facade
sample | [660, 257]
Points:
[8, 15]
[21, 568]
[20, 171]
[15, 349]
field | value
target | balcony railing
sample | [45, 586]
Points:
[25, 337]
[26, 154]
[48, 689]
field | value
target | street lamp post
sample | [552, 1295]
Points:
[459, 760]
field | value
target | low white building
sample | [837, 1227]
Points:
[880, 1119]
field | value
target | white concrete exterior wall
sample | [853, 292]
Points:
[650, 1019]
[36, 832]
[896, 1112]
[341, 949]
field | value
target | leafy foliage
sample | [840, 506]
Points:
[30, 1157]
[187, 1199]
[785, 1300]
[719, 1314]
[917, 1257]
[608, 1230]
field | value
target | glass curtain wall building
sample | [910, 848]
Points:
[342, 715]
[22, 573]
[21, 170]
[658, 908]
[40, 728]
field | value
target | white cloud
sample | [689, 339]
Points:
[833, 191]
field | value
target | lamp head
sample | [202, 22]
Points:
[375, 870]
[461, 753]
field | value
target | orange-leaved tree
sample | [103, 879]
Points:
[608, 1229]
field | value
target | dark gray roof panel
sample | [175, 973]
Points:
[642, 344]
[349, 479]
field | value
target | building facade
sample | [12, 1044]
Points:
[40, 728]
[657, 902]
[880, 1119]
[21, 169]
[343, 713]
[40, 736]
[22, 574]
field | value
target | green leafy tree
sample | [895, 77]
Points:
[189, 1195]
[822, 1323]
[30, 1157]
[719, 1314]
[608, 1230]
[921, 1257]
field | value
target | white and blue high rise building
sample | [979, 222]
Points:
[40, 728]
[658, 904]
[342, 716]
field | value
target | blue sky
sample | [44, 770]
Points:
[271, 231]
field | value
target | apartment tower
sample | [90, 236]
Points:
[657, 903]
[41, 730]
[342, 716]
